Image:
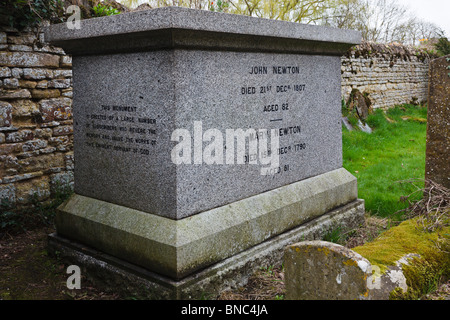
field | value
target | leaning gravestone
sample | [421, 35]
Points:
[437, 167]
[204, 143]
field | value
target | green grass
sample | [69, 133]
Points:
[393, 152]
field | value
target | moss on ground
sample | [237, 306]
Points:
[398, 241]
[423, 274]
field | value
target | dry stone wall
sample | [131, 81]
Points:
[36, 156]
[389, 75]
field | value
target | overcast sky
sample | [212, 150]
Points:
[436, 11]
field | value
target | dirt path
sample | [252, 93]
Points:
[28, 273]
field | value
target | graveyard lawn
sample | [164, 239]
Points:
[389, 163]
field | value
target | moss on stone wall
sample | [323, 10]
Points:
[393, 51]
[387, 74]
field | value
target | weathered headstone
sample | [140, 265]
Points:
[437, 166]
[203, 141]
[321, 270]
